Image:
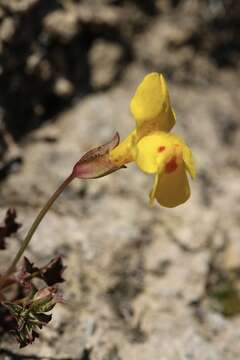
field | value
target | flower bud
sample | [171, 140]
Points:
[96, 162]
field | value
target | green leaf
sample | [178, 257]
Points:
[31, 314]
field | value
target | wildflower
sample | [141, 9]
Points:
[153, 148]
[150, 145]
[152, 111]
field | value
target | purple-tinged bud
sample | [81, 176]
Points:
[96, 162]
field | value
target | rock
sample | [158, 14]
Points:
[63, 87]
[63, 24]
[136, 277]
[104, 59]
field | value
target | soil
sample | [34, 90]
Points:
[141, 283]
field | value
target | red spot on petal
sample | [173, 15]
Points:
[161, 148]
[171, 165]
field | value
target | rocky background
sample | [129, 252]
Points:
[141, 283]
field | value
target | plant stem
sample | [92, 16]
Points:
[33, 228]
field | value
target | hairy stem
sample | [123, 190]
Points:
[33, 228]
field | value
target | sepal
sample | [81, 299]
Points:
[97, 162]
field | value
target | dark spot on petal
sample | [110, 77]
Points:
[161, 148]
[171, 165]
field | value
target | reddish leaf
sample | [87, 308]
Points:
[52, 272]
[9, 227]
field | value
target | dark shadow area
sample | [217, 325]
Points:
[217, 32]
[11, 355]
[147, 6]
[45, 68]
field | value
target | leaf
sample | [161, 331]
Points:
[9, 227]
[31, 315]
[27, 272]
[7, 322]
[28, 267]
[50, 273]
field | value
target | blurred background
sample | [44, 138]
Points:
[141, 283]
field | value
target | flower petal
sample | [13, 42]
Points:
[149, 98]
[189, 162]
[151, 106]
[153, 151]
[173, 188]
[152, 194]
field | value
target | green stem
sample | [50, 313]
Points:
[33, 228]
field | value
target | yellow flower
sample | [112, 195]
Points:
[169, 158]
[153, 148]
[151, 108]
